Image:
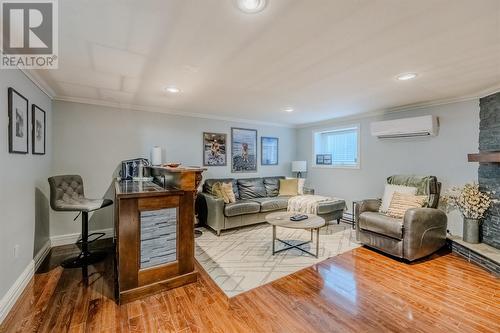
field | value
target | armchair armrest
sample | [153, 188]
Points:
[369, 205]
[213, 209]
[424, 231]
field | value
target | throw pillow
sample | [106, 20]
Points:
[217, 191]
[289, 187]
[390, 190]
[300, 184]
[401, 202]
[227, 190]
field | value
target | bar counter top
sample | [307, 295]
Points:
[179, 169]
[131, 188]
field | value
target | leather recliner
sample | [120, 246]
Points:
[421, 232]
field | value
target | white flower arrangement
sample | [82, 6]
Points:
[469, 200]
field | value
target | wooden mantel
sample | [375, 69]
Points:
[486, 157]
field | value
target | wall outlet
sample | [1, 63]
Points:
[16, 251]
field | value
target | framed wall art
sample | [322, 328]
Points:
[38, 128]
[18, 122]
[323, 159]
[214, 149]
[269, 150]
[243, 150]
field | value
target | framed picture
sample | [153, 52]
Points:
[18, 122]
[243, 150]
[323, 159]
[269, 149]
[214, 149]
[37, 130]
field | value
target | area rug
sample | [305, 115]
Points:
[241, 259]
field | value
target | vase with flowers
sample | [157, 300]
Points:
[473, 204]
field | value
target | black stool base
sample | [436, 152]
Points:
[84, 260]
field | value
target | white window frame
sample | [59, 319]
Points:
[333, 129]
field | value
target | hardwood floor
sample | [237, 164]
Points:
[358, 291]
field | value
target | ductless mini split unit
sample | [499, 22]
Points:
[406, 127]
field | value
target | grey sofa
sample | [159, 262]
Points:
[421, 232]
[255, 198]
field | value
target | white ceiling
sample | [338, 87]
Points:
[325, 58]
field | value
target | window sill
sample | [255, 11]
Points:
[348, 167]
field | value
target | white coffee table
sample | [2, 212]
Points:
[282, 219]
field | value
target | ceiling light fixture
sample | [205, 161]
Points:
[251, 6]
[288, 109]
[406, 76]
[172, 90]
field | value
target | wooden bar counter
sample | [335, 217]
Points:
[155, 233]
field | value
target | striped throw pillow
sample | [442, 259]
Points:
[401, 202]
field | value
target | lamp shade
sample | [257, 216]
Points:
[299, 166]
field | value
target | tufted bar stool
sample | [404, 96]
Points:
[66, 195]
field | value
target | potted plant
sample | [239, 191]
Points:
[473, 204]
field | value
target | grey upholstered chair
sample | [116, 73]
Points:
[66, 195]
[421, 232]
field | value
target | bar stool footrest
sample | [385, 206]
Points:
[100, 235]
[84, 260]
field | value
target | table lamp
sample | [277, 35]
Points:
[299, 167]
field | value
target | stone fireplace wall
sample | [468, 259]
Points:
[489, 173]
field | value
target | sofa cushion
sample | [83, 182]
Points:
[272, 203]
[381, 224]
[272, 185]
[209, 183]
[250, 188]
[425, 185]
[241, 207]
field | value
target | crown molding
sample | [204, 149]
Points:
[46, 89]
[133, 107]
[39, 82]
[403, 108]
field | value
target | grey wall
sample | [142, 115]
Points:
[444, 156]
[489, 173]
[23, 186]
[93, 140]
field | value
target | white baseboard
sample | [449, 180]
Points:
[42, 253]
[12, 295]
[73, 238]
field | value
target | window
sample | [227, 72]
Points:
[337, 148]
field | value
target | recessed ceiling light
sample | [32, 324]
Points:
[406, 76]
[172, 90]
[288, 109]
[251, 6]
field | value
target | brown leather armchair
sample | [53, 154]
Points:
[421, 232]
